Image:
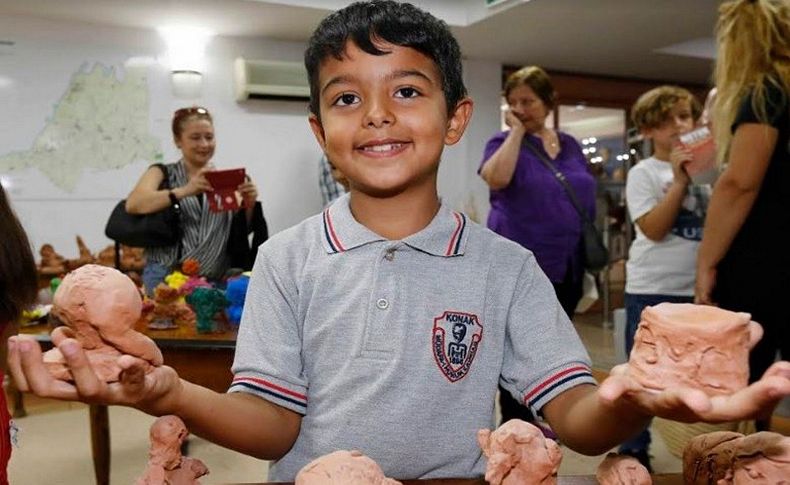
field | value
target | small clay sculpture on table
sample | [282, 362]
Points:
[84, 258]
[726, 457]
[51, 263]
[343, 468]
[207, 303]
[518, 453]
[99, 306]
[622, 469]
[166, 465]
[169, 311]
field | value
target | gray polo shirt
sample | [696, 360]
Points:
[395, 348]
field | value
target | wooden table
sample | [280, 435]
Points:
[661, 479]
[204, 359]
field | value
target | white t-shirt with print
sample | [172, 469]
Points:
[665, 267]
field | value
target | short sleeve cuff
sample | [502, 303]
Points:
[277, 391]
[558, 381]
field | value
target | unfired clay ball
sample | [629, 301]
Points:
[518, 454]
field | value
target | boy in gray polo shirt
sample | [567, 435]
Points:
[385, 323]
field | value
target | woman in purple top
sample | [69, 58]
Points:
[528, 204]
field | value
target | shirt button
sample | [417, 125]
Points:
[382, 304]
[390, 254]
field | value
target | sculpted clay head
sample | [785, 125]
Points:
[166, 465]
[622, 470]
[343, 468]
[518, 453]
[762, 458]
[100, 306]
[707, 457]
[731, 458]
[699, 346]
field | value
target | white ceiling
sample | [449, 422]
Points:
[607, 37]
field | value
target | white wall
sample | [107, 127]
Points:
[270, 138]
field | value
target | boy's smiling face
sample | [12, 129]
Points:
[384, 120]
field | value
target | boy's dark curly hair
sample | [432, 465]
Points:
[400, 24]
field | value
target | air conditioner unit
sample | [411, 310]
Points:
[270, 79]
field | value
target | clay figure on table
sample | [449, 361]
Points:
[85, 256]
[235, 292]
[51, 262]
[343, 468]
[726, 457]
[518, 453]
[169, 311]
[99, 307]
[166, 465]
[207, 302]
[618, 469]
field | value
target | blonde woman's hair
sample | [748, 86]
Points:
[753, 51]
[653, 107]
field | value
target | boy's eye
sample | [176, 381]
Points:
[346, 99]
[407, 92]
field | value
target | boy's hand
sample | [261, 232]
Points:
[692, 405]
[155, 392]
[679, 157]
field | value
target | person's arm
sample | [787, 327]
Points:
[146, 197]
[732, 199]
[498, 170]
[657, 223]
[245, 423]
[586, 426]
[592, 422]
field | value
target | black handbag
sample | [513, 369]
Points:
[595, 254]
[161, 228]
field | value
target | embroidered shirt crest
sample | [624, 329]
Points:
[455, 339]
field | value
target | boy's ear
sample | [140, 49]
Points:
[456, 125]
[318, 130]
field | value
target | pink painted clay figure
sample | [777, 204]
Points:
[343, 468]
[622, 470]
[729, 458]
[519, 454]
[166, 465]
[100, 306]
[697, 346]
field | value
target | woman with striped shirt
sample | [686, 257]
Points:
[204, 233]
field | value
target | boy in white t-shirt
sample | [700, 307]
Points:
[668, 213]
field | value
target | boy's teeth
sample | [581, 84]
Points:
[383, 148]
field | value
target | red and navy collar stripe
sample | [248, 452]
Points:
[262, 386]
[331, 236]
[454, 246]
[555, 381]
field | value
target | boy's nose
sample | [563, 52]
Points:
[378, 114]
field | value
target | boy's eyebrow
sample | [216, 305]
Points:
[399, 74]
